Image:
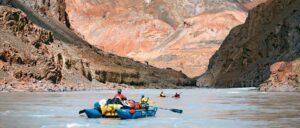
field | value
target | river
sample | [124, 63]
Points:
[202, 108]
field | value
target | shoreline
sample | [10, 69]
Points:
[48, 87]
[113, 89]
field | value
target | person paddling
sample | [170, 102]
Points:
[177, 95]
[162, 94]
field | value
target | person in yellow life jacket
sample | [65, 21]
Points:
[144, 99]
[144, 103]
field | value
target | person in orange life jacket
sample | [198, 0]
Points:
[120, 95]
[118, 98]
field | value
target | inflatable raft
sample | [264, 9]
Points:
[102, 110]
[92, 113]
[134, 114]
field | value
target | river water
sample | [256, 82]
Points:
[202, 108]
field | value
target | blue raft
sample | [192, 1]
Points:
[126, 114]
[93, 113]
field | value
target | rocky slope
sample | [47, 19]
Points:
[247, 56]
[34, 59]
[284, 77]
[50, 8]
[180, 34]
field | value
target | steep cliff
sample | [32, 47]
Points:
[269, 35]
[180, 34]
[37, 54]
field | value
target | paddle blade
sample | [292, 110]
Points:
[176, 110]
[81, 111]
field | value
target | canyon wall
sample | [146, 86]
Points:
[32, 58]
[249, 54]
[178, 34]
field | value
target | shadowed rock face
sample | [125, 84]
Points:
[270, 34]
[145, 30]
[51, 8]
[33, 59]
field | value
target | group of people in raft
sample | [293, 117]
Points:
[108, 107]
[119, 101]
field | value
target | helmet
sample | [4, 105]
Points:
[119, 91]
[143, 96]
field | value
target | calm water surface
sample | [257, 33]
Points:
[203, 108]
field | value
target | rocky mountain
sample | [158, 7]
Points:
[179, 34]
[264, 51]
[39, 54]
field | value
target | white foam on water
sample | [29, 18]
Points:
[76, 125]
[5, 112]
[42, 115]
[234, 92]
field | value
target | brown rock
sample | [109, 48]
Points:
[150, 30]
[269, 35]
[33, 54]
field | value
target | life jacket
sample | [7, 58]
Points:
[109, 110]
[120, 96]
[128, 103]
[144, 100]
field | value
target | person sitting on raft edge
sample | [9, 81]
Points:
[144, 99]
[144, 103]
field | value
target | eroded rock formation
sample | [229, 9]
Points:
[33, 59]
[190, 31]
[55, 9]
[285, 76]
[269, 35]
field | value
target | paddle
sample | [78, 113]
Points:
[81, 111]
[172, 109]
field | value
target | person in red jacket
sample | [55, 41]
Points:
[120, 95]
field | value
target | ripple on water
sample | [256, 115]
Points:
[69, 125]
[207, 108]
[5, 112]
